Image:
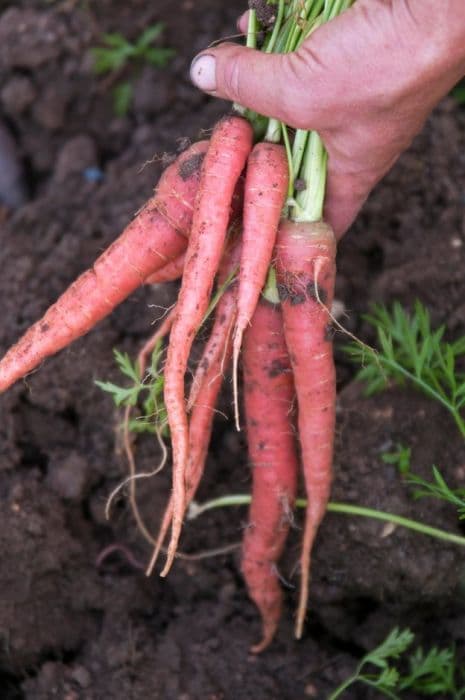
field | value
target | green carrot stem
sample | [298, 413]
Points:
[311, 166]
[294, 34]
[283, 37]
[273, 131]
[270, 291]
[327, 10]
[276, 28]
[408, 523]
[251, 43]
[336, 9]
[196, 509]
[309, 202]
[313, 21]
[298, 148]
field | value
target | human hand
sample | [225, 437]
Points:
[366, 82]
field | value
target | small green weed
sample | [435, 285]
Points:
[400, 458]
[153, 416]
[119, 54]
[437, 488]
[410, 351]
[429, 673]
[146, 390]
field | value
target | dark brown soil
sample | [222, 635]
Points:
[72, 630]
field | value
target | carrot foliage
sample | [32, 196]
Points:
[436, 488]
[146, 391]
[430, 673]
[411, 352]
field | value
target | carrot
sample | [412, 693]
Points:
[200, 432]
[204, 390]
[230, 145]
[199, 438]
[156, 236]
[265, 190]
[173, 269]
[306, 270]
[225, 316]
[170, 272]
[268, 397]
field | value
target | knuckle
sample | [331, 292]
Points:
[296, 91]
[232, 78]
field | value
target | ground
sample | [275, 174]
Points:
[74, 630]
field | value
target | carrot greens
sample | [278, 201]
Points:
[410, 351]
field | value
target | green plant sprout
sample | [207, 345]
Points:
[410, 351]
[438, 488]
[153, 411]
[429, 673]
[119, 54]
[400, 458]
[153, 417]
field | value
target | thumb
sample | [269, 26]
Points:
[275, 85]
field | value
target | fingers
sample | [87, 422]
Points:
[242, 22]
[276, 85]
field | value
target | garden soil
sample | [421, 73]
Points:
[75, 628]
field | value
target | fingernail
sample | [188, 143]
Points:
[203, 72]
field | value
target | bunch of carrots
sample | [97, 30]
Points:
[228, 210]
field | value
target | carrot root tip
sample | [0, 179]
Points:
[237, 342]
[269, 630]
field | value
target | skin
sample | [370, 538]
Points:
[366, 82]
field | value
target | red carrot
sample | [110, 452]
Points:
[204, 390]
[225, 316]
[230, 145]
[201, 423]
[268, 397]
[170, 272]
[157, 235]
[305, 272]
[199, 438]
[148, 347]
[173, 269]
[265, 191]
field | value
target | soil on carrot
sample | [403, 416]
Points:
[72, 629]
